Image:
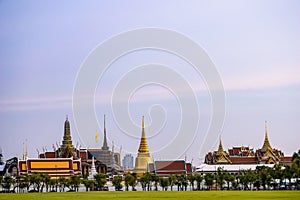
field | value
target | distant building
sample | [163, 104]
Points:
[127, 162]
[165, 168]
[245, 155]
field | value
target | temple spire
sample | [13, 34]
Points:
[266, 144]
[104, 147]
[220, 149]
[143, 144]
[67, 139]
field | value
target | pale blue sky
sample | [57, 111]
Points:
[255, 46]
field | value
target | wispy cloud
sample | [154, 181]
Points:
[35, 103]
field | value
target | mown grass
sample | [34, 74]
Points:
[224, 195]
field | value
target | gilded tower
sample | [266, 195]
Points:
[221, 157]
[267, 154]
[143, 157]
[67, 149]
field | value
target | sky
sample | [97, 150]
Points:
[254, 45]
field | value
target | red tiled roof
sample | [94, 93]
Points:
[50, 155]
[82, 155]
[286, 160]
[243, 160]
[170, 165]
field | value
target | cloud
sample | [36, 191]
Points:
[35, 103]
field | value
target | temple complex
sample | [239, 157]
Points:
[246, 155]
[100, 159]
[65, 161]
[143, 157]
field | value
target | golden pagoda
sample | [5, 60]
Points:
[267, 154]
[143, 157]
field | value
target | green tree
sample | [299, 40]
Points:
[133, 181]
[264, 176]
[100, 181]
[251, 177]
[229, 178]
[147, 178]
[220, 177]
[209, 180]
[88, 184]
[74, 182]
[191, 178]
[45, 178]
[35, 181]
[277, 173]
[296, 169]
[24, 182]
[18, 182]
[7, 182]
[130, 180]
[288, 174]
[128, 177]
[164, 183]
[117, 183]
[62, 183]
[199, 179]
[172, 180]
[52, 185]
[155, 180]
[143, 182]
[178, 182]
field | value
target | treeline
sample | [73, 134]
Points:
[263, 177]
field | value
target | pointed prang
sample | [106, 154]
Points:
[220, 149]
[143, 144]
[266, 144]
[104, 147]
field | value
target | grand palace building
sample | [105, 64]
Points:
[241, 157]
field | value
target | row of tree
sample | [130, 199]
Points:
[263, 177]
[277, 177]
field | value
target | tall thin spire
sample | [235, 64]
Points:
[105, 146]
[143, 144]
[67, 139]
[220, 149]
[266, 144]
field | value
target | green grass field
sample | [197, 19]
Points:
[242, 195]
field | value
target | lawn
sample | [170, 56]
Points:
[241, 195]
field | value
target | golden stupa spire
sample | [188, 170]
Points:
[220, 149]
[266, 144]
[143, 144]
